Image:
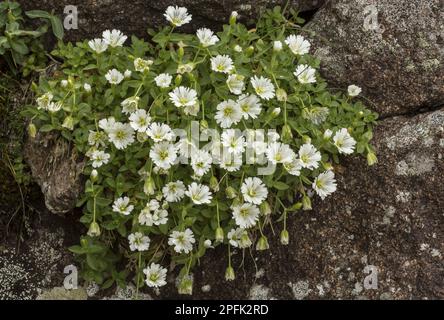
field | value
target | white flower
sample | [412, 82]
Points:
[254, 190]
[107, 124]
[250, 106]
[138, 241]
[96, 138]
[279, 153]
[238, 238]
[140, 120]
[233, 142]
[177, 16]
[142, 65]
[114, 76]
[87, 87]
[309, 156]
[228, 113]
[185, 68]
[114, 38]
[222, 64]
[54, 106]
[206, 37]
[121, 134]
[246, 215]
[201, 162]
[158, 217]
[263, 87]
[235, 83]
[183, 96]
[99, 158]
[121, 205]
[353, 90]
[277, 45]
[231, 162]
[64, 83]
[297, 44]
[199, 193]
[174, 191]
[344, 141]
[305, 74]
[192, 110]
[327, 134]
[273, 136]
[44, 100]
[325, 184]
[317, 115]
[130, 105]
[182, 241]
[237, 48]
[160, 132]
[98, 45]
[163, 80]
[294, 167]
[163, 154]
[155, 275]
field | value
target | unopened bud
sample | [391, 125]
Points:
[264, 208]
[214, 184]
[68, 123]
[281, 95]
[186, 285]
[371, 158]
[149, 186]
[94, 229]
[262, 244]
[233, 17]
[219, 236]
[229, 274]
[231, 193]
[32, 130]
[178, 80]
[286, 133]
[94, 175]
[284, 237]
[276, 112]
[306, 203]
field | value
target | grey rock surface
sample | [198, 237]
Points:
[393, 49]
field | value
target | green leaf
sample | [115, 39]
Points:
[280, 185]
[57, 27]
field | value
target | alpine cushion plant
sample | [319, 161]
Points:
[196, 141]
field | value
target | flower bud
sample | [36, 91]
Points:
[275, 112]
[32, 130]
[219, 236]
[68, 123]
[64, 83]
[186, 285]
[203, 124]
[233, 17]
[208, 244]
[249, 50]
[180, 53]
[245, 241]
[127, 74]
[229, 274]
[94, 229]
[214, 184]
[262, 244]
[84, 242]
[87, 87]
[286, 133]
[237, 48]
[284, 237]
[178, 80]
[231, 193]
[149, 187]
[94, 175]
[277, 46]
[264, 208]
[371, 158]
[306, 203]
[281, 95]
[306, 139]
[327, 134]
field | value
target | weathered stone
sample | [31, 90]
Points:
[393, 49]
[379, 217]
[134, 18]
[57, 168]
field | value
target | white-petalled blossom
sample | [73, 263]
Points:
[353, 90]
[114, 76]
[235, 143]
[127, 74]
[201, 162]
[121, 135]
[239, 238]
[277, 45]
[44, 100]
[114, 38]
[235, 83]
[228, 113]
[177, 16]
[174, 191]
[142, 65]
[206, 37]
[183, 96]
[98, 45]
[231, 162]
[305, 74]
[294, 167]
[87, 87]
[309, 156]
[199, 193]
[107, 124]
[54, 106]
[130, 105]
[163, 80]
[344, 141]
[155, 275]
[254, 190]
[298, 44]
[138, 241]
[99, 158]
[140, 120]
[160, 132]
[250, 106]
[182, 240]
[279, 153]
[148, 217]
[163, 154]
[222, 63]
[263, 87]
[325, 184]
[121, 205]
[246, 215]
